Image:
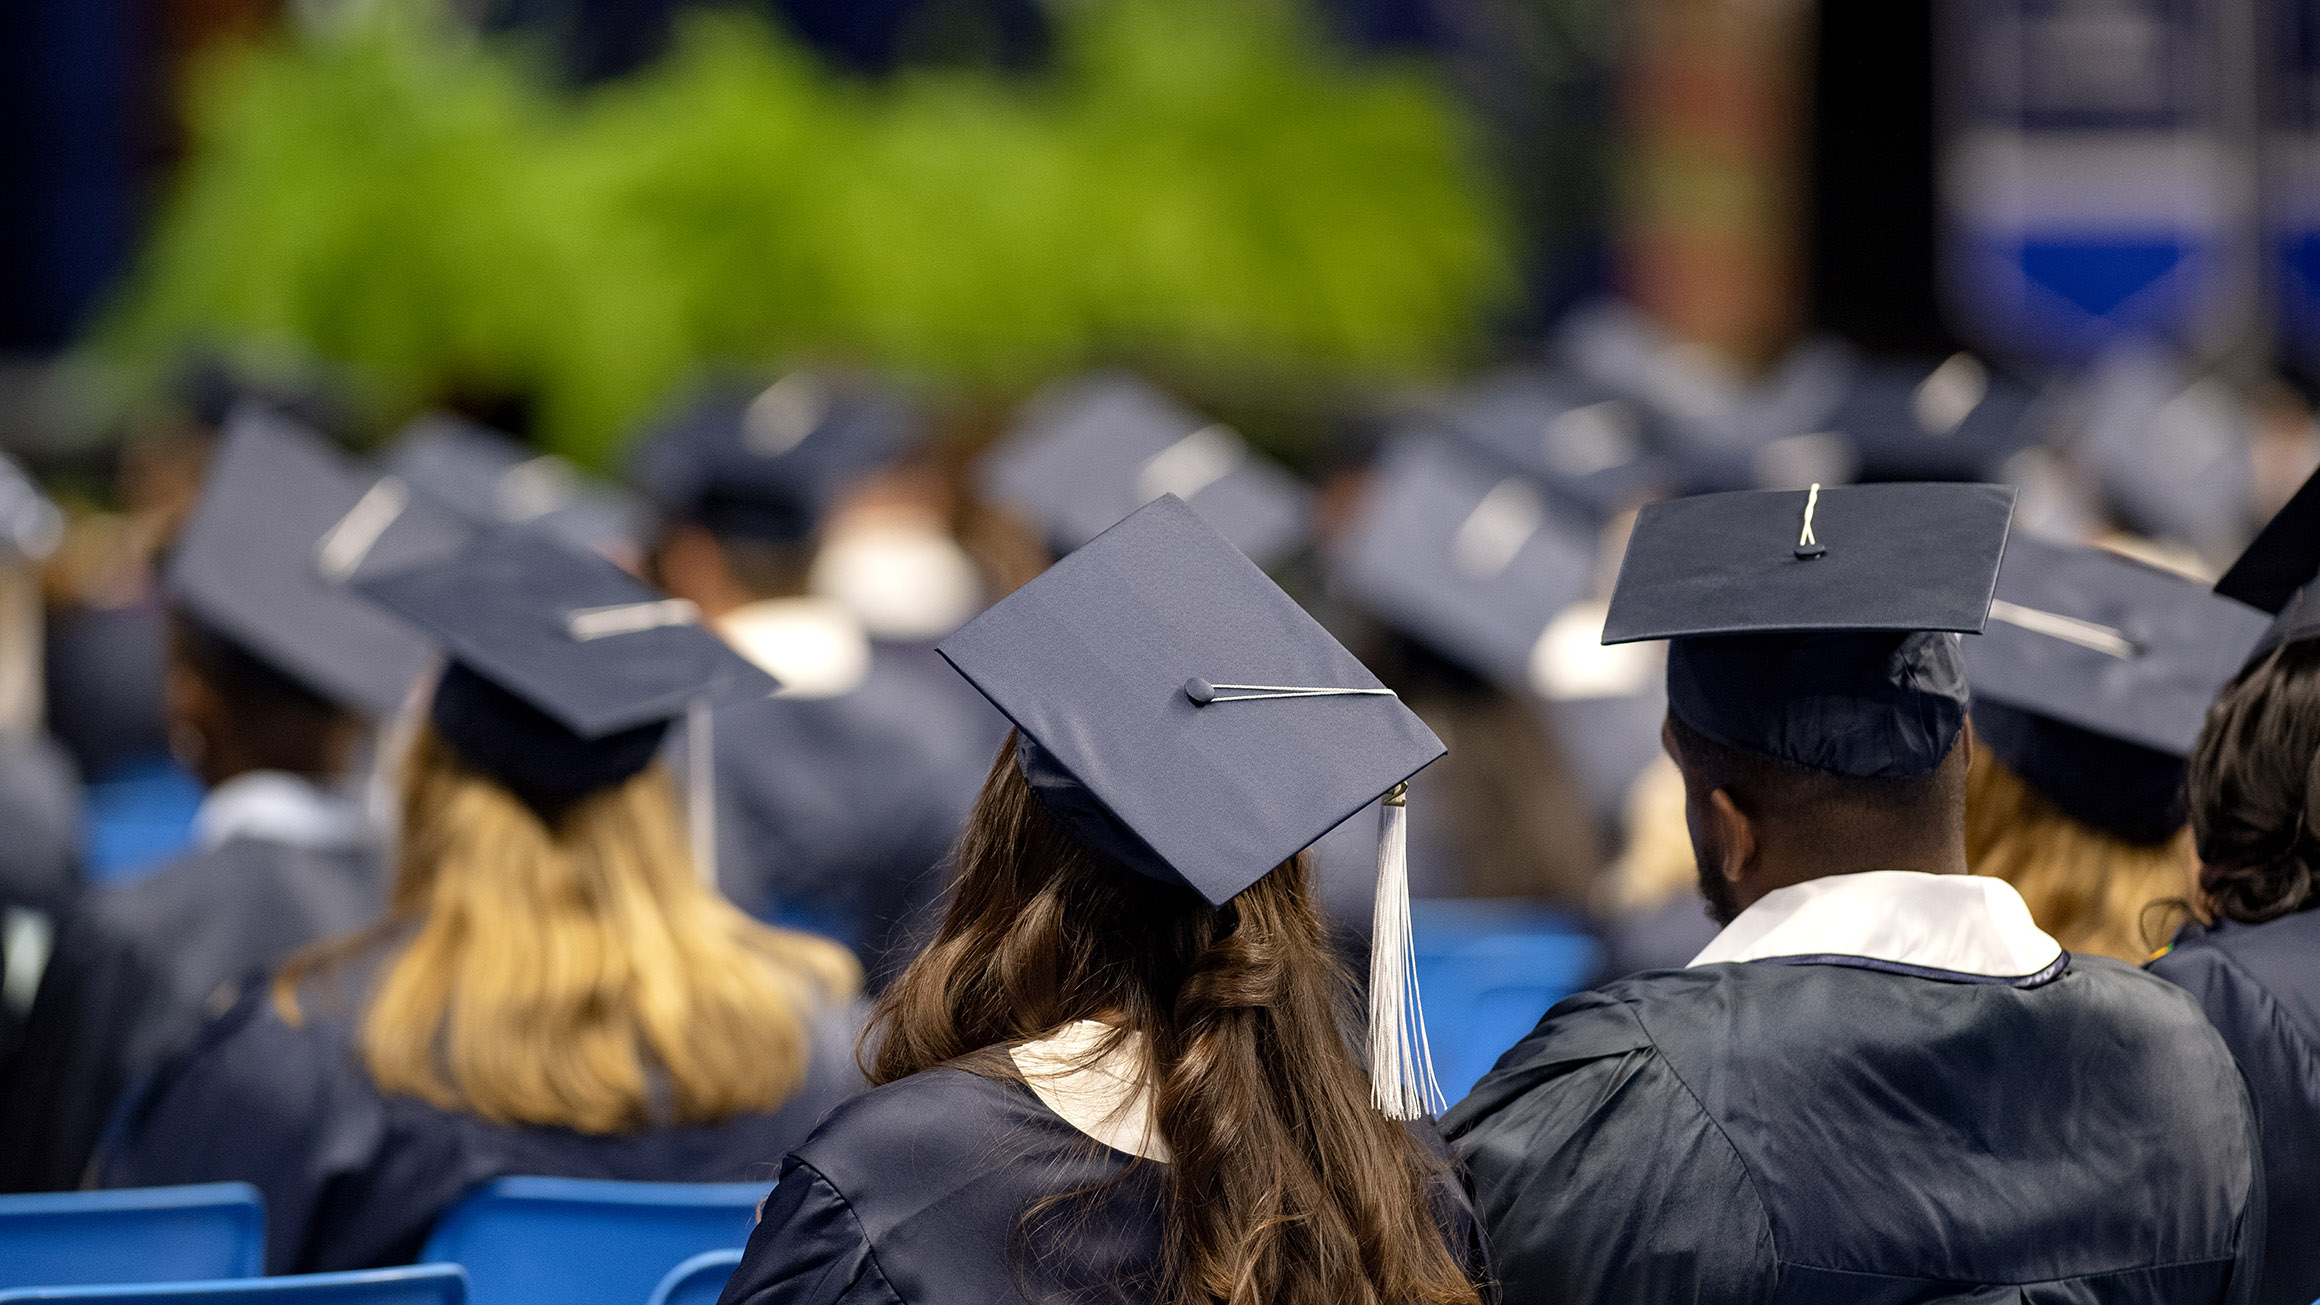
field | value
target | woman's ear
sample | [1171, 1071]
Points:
[1735, 841]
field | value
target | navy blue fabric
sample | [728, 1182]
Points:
[538, 759]
[135, 969]
[246, 565]
[1091, 660]
[918, 1191]
[355, 1179]
[1821, 1133]
[2132, 792]
[2260, 986]
[1868, 706]
[1070, 802]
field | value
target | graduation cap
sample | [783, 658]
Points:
[767, 462]
[1470, 560]
[284, 524]
[1183, 715]
[1906, 420]
[1089, 453]
[1578, 439]
[1811, 626]
[2276, 571]
[2171, 450]
[2094, 677]
[492, 479]
[564, 669]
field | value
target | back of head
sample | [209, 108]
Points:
[2254, 789]
[1286, 1183]
[564, 966]
[1854, 820]
[2093, 889]
[224, 697]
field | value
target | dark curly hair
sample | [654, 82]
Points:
[2254, 788]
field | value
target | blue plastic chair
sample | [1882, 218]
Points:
[1486, 972]
[133, 1234]
[418, 1284]
[581, 1241]
[698, 1281]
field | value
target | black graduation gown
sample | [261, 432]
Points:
[1774, 1131]
[833, 813]
[2260, 986]
[355, 1179]
[915, 1192]
[136, 969]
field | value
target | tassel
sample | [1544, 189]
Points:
[701, 791]
[1401, 1065]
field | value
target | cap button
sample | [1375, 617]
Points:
[1200, 691]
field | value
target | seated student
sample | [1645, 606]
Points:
[2254, 786]
[2089, 688]
[837, 799]
[1881, 1081]
[272, 668]
[1121, 1069]
[552, 990]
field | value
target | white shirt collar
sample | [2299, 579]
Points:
[816, 647]
[278, 807]
[1105, 1097]
[1956, 924]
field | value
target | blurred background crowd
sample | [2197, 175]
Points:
[1415, 300]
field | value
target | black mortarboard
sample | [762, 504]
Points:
[767, 462]
[1911, 421]
[1577, 439]
[1811, 625]
[491, 479]
[2276, 571]
[1088, 453]
[565, 670]
[1182, 714]
[2094, 676]
[1460, 555]
[285, 522]
[2170, 449]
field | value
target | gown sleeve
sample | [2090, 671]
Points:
[808, 1249]
[258, 1101]
[1598, 1176]
[74, 1062]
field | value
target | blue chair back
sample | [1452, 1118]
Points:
[698, 1281]
[132, 1234]
[1486, 972]
[580, 1241]
[417, 1284]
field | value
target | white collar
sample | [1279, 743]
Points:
[814, 646]
[1953, 924]
[278, 807]
[1106, 1096]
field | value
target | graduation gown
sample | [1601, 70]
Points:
[1855, 1125]
[834, 812]
[354, 1178]
[136, 969]
[2260, 987]
[916, 1192]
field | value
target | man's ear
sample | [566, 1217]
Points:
[1735, 836]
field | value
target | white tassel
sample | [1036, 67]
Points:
[1401, 1065]
[701, 791]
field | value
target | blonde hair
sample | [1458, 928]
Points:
[2095, 892]
[574, 971]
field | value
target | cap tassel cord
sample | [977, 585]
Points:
[700, 791]
[1808, 547]
[1401, 1064]
[1205, 693]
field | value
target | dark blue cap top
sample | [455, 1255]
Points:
[1087, 454]
[491, 479]
[564, 667]
[285, 522]
[1955, 420]
[1464, 557]
[2275, 572]
[1133, 669]
[2094, 677]
[1581, 441]
[766, 463]
[1811, 626]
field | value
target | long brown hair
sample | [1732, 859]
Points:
[2095, 892]
[1285, 1184]
[570, 969]
[2254, 787]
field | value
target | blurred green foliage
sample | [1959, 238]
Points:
[1201, 187]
